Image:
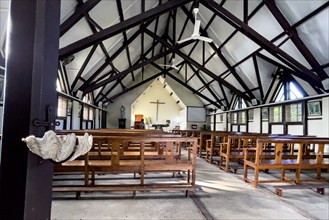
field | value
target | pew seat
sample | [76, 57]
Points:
[299, 163]
[117, 159]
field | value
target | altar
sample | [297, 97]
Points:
[160, 126]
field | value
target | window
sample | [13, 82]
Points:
[276, 114]
[88, 113]
[234, 118]
[61, 107]
[91, 114]
[221, 118]
[240, 103]
[292, 92]
[251, 115]
[69, 107]
[242, 117]
[264, 114]
[280, 96]
[294, 112]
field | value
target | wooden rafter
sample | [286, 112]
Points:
[118, 28]
[260, 40]
[125, 39]
[77, 15]
[196, 64]
[295, 38]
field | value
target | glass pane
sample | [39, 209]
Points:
[235, 118]
[242, 117]
[85, 113]
[294, 92]
[294, 112]
[91, 114]
[61, 107]
[251, 115]
[276, 114]
[280, 96]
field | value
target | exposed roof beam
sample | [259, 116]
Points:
[93, 86]
[85, 62]
[295, 38]
[259, 81]
[205, 84]
[196, 64]
[123, 76]
[77, 15]
[232, 70]
[245, 11]
[310, 15]
[186, 85]
[124, 33]
[297, 74]
[260, 40]
[110, 99]
[118, 28]
[115, 55]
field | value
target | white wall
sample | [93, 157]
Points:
[183, 116]
[168, 111]
[264, 127]
[317, 125]
[320, 126]
[277, 129]
[254, 126]
[295, 129]
[186, 97]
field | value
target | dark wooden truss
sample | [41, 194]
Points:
[105, 86]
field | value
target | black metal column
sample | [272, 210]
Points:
[30, 77]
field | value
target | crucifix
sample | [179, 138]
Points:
[157, 103]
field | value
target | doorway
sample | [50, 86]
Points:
[138, 121]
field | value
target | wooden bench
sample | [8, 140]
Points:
[78, 166]
[209, 144]
[213, 144]
[169, 160]
[298, 162]
[319, 187]
[232, 149]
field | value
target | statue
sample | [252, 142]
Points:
[122, 112]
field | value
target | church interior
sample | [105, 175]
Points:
[164, 109]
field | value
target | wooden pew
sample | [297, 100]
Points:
[207, 138]
[232, 149]
[213, 143]
[78, 166]
[118, 132]
[187, 133]
[298, 162]
[119, 162]
[204, 136]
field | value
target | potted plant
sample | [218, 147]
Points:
[148, 121]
